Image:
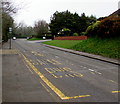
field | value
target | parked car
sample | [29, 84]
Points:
[28, 38]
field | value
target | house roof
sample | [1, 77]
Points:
[115, 13]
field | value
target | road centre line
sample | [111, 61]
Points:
[94, 71]
[48, 83]
[91, 69]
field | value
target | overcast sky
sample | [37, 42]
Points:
[34, 10]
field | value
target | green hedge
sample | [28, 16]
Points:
[106, 28]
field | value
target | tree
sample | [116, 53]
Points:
[74, 22]
[92, 19]
[21, 30]
[86, 21]
[61, 20]
[40, 27]
[7, 21]
[8, 7]
[64, 32]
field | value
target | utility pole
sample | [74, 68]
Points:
[10, 33]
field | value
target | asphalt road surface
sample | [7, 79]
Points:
[35, 73]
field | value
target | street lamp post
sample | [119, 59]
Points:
[10, 32]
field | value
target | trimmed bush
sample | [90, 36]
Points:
[75, 34]
[83, 33]
[92, 29]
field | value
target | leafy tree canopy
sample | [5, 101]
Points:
[72, 21]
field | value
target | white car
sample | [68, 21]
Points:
[28, 37]
[14, 38]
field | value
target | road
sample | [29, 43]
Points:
[35, 73]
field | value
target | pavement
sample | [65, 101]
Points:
[19, 84]
[97, 57]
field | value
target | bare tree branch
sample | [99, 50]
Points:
[8, 7]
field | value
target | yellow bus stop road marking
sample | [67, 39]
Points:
[36, 53]
[115, 91]
[50, 85]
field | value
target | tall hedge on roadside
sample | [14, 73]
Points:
[106, 28]
[109, 27]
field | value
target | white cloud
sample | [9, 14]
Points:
[43, 9]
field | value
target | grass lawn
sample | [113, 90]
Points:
[63, 43]
[105, 47]
[35, 39]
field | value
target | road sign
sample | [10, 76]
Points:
[10, 32]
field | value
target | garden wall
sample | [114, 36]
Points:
[71, 38]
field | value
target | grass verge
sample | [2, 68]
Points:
[35, 39]
[63, 43]
[105, 47]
